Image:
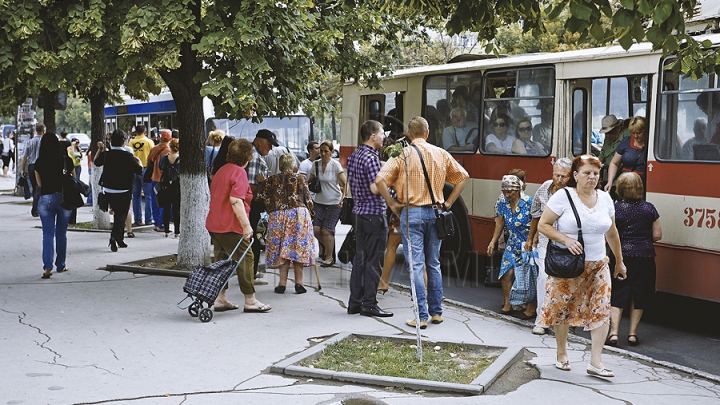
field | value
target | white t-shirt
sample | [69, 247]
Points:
[505, 145]
[8, 147]
[305, 166]
[595, 221]
[330, 194]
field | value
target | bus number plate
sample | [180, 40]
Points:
[702, 217]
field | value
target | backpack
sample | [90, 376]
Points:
[171, 173]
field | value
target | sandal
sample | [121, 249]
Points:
[64, 269]
[612, 340]
[633, 340]
[599, 372]
[47, 274]
[130, 235]
[259, 307]
[562, 365]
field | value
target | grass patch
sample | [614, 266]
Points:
[395, 358]
[82, 225]
[167, 263]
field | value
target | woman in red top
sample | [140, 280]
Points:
[228, 222]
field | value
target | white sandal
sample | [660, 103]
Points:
[599, 372]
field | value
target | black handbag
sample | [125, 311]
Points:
[314, 185]
[444, 222]
[72, 192]
[346, 211]
[102, 201]
[560, 262]
[346, 254]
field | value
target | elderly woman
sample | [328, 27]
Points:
[120, 168]
[524, 145]
[328, 202]
[513, 212]
[638, 224]
[229, 224]
[290, 232]
[630, 153]
[54, 218]
[215, 139]
[584, 300]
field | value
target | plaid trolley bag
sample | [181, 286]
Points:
[204, 284]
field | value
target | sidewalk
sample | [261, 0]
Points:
[88, 336]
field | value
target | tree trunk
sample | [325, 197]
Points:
[49, 110]
[101, 220]
[195, 195]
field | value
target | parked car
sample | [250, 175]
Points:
[84, 140]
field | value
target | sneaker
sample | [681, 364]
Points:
[259, 281]
[436, 319]
[539, 330]
[411, 322]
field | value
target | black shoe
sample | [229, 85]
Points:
[353, 310]
[376, 311]
[280, 289]
[300, 289]
[121, 243]
[328, 264]
[113, 245]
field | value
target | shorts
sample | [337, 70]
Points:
[326, 216]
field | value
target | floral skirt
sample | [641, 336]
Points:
[581, 301]
[290, 237]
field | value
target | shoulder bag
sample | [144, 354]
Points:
[444, 223]
[72, 191]
[315, 185]
[560, 262]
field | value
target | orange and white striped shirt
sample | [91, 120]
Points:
[441, 168]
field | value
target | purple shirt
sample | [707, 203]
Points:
[363, 166]
[634, 224]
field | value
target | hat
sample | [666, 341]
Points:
[165, 135]
[511, 182]
[608, 123]
[267, 134]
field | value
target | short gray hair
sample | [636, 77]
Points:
[563, 163]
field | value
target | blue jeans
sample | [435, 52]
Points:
[138, 189]
[54, 219]
[157, 210]
[425, 253]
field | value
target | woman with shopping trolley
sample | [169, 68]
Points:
[229, 224]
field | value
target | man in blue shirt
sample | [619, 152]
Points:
[371, 228]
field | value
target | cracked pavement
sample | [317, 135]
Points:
[92, 337]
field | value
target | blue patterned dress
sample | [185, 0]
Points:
[518, 225]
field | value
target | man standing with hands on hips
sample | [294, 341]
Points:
[418, 223]
[371, 229]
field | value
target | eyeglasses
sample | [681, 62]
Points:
[524, 129]
[499, 124]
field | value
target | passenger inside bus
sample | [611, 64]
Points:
[710, 105]
[500, 141]
[699, 128]
[542, 132]
[461, 135]
[461, 99]
[432, 116]
[524, 144]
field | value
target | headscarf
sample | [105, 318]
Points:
[511, 182]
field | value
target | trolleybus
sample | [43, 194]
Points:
[566, 95]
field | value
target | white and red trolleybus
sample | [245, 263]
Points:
[566, 95]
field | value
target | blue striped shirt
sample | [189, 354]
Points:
[363, 166]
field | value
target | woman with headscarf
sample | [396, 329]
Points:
[513, 213]
[49, 172]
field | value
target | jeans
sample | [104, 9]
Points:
[54, 219]
[157, 210]
[371, 232]
[138, 189]
[425, 253]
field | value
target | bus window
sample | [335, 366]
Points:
[689, 126]
[452, 110]
[385, 108]
[512, 99]
[579, 122]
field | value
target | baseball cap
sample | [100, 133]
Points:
[267, 134]
[165, 135]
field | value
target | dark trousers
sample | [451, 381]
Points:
[371, 233]
[172, 206]
[36, 190]
[120, 203]
[256, 208]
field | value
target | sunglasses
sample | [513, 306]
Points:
[525, 129]
[499, 124]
